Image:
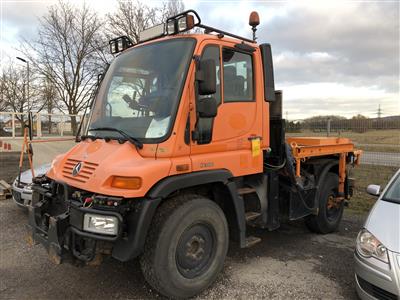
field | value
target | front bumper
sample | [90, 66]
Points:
[56, 222]
[377, 280]
[63, 238]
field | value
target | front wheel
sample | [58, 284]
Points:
[330, 210]
[186, 246]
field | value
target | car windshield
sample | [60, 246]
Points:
[141, 90]
[392, 194]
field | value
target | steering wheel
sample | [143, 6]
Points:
[150, 99]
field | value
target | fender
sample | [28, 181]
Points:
[173, 183]
[139, 221]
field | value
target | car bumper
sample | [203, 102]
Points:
[377, 280]
[21, 195]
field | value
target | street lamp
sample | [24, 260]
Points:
[27, 64]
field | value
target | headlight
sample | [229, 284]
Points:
[370, 246]
[29, 186]
[100, 224]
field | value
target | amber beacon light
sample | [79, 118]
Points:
[254, 21]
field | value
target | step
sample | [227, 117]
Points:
[252, 240]
[252, 215]
[246, 190]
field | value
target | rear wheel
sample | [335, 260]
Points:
[330, 210]
[186, 246]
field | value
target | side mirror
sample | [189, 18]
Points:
[207, 107]
[374, 189]
[206, 76]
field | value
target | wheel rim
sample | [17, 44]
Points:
[332, 208]
[196, 250]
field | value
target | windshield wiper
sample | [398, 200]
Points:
[129, 138]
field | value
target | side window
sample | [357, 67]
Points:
[238, 76]
[204, 125]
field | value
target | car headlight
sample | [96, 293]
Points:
[100, 224]
[370, 246]
[29, 186]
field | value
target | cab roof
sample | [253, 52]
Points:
[175, 26]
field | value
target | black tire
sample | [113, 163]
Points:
[186, 246]
[328, 218]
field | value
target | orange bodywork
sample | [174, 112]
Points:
[307, 147]
[235, 125]
[230, 147]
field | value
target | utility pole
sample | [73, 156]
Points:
[379, 113]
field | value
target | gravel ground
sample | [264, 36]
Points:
[288, 263]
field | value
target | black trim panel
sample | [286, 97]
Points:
[173, 183]
[138, 223]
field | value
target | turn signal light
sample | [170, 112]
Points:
[131, 183]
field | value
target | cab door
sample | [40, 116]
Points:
[232, 139]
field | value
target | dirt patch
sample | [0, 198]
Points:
[290, 262]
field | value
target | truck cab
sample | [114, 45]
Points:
[184, 148]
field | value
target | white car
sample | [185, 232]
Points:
[377, 255]
[22, 192]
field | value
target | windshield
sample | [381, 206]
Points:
[392, 194]
[141, 91]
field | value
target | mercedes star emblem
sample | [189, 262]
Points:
[77, 169]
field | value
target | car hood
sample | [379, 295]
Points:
[384, 223]
[26, 177]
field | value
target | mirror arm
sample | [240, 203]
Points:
[195, 131]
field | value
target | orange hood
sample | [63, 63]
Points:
[101, 161]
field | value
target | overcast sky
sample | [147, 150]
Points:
[330, 57]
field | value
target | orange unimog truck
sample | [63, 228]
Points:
[184, 149]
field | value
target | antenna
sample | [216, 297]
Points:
[254, 21]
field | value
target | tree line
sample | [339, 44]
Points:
[70, 51]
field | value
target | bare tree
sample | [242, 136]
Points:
[3, 103]
[67, 55]
[14, 83]
[48, 93]
[170, 8]
[132, 17]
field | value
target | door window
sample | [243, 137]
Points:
[238, 76]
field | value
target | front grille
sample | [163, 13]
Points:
[86, 171]
[375, 291]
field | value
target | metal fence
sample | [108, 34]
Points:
[44, 124]
[379, 138]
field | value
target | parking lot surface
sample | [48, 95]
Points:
[289, 263]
